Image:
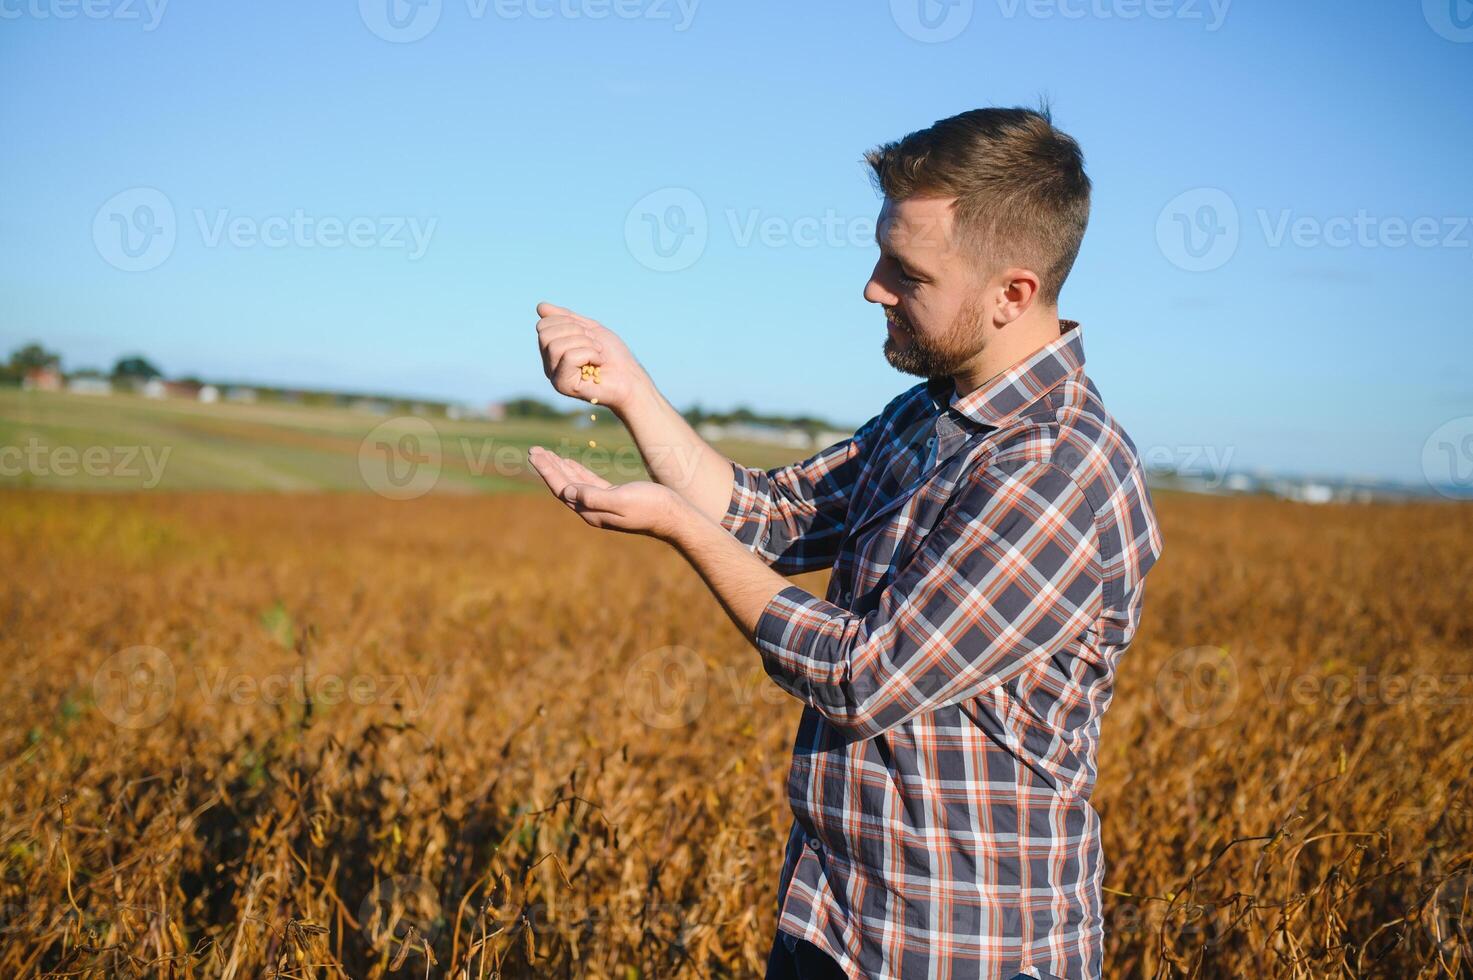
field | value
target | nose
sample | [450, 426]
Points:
[875, 291]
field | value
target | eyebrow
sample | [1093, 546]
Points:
[906, 264]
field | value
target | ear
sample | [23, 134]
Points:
[1016, 290]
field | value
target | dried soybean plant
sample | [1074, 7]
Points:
[328, 737]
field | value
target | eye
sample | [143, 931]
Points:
[905, 277]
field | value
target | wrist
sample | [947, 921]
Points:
[684, 526]
[643, 400]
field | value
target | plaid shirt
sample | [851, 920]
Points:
[987, 563]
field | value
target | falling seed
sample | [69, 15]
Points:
[592, 444]
[594, 401]
[592, 417]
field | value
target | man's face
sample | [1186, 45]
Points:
[933, 299]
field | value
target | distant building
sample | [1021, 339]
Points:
[1239, 483]
[129, 383]
[42, 379]
[240, 395]
[774, 435]
[1312, 493]
[184, 389]
[90, 386]
[372, 406]
[461, 412]
[209, 394]
[159, 388]
[822, 440]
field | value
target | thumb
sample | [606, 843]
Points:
[588, 496]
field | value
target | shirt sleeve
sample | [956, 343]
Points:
[1010, 575]
[794, 517]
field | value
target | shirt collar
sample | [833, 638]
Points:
[1004, 396]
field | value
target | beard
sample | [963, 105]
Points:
[940, 356]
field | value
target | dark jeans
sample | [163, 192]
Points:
[805, 962]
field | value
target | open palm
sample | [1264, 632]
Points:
[638, 508]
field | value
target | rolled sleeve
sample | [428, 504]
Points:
[794, 517]
[786, 630]
[741, 509]
[1010, 575]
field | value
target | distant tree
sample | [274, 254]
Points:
[531, 408]
[744, 414]
[31, 357]
[136, 367]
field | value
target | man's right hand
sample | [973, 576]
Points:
[568, 341]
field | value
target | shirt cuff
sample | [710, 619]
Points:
[743, 498]
[790, 634]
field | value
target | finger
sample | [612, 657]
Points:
[560, 330]
[546, 464]
[558, 473]
[568, 368]
[581, 474]
[599, 332]
[583, 499]
[552, 311]
[562, 477]
[556, 348]
[553, 353]
[551, 323]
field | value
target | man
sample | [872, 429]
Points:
[988, 532]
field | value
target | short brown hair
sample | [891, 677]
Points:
[1022, 197]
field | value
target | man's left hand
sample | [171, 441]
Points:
[637, 508]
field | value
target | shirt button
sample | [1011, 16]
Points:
[848, 597]
[814, 843]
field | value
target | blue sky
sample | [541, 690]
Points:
[1278, 271]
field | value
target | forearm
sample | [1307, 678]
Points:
[747, 588]
[741, 581]
[676, 455]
